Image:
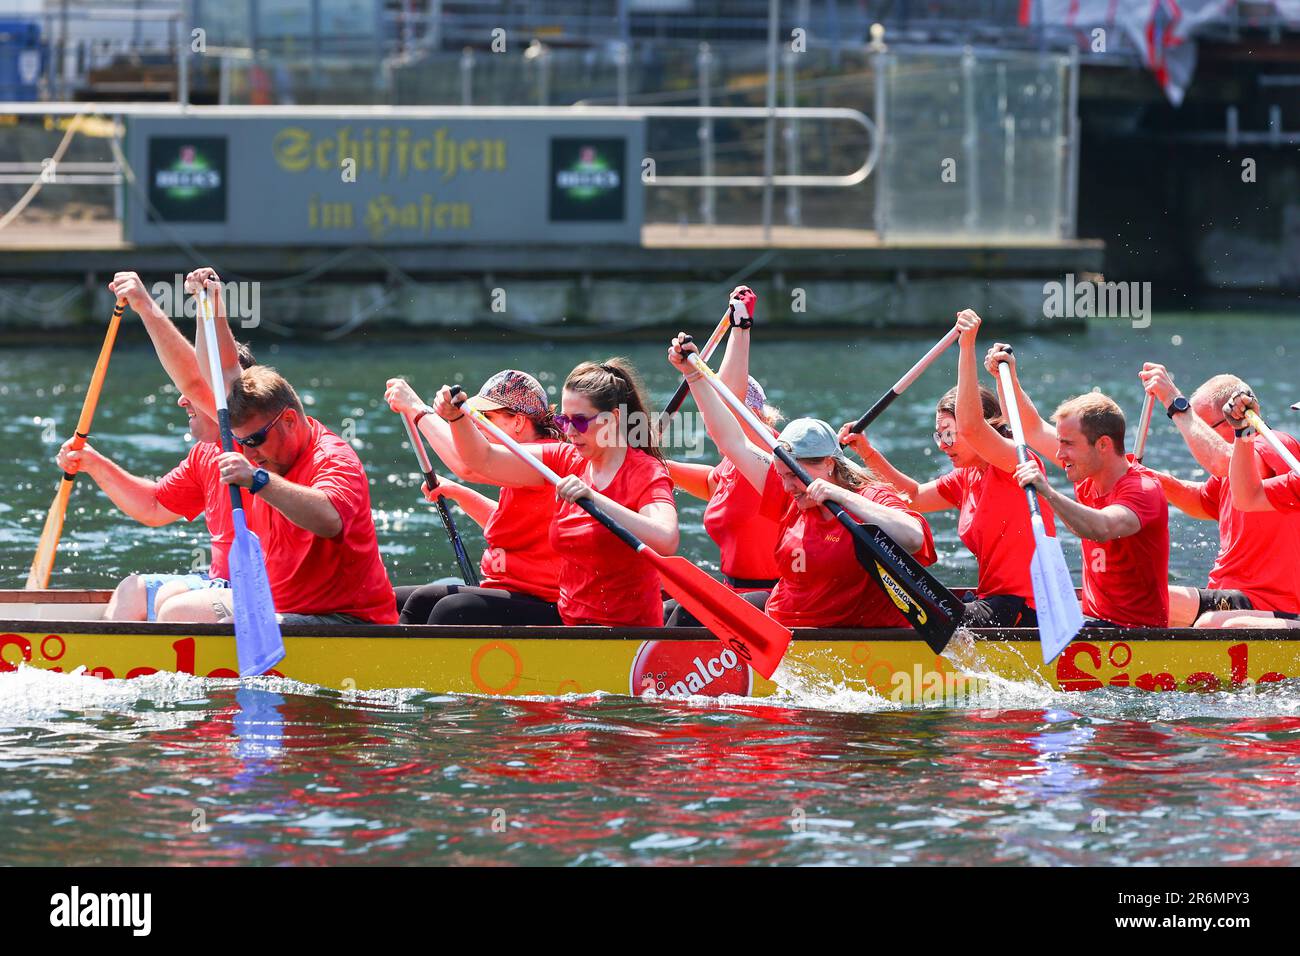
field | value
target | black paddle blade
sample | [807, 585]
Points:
[933, 610]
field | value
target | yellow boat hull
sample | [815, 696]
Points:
[531, 661]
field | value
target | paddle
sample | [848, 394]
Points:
[759, 641]
[1257, 423]
[683, 389]
[43, 562]
[467, 570]
[1144, 425]
[257, 631]
[902, 384]
[929, 607]
[1059, 615]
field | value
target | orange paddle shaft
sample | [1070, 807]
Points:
[43, 562]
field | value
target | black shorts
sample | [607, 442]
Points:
[998, 610]
[1221, 599]
[1227, 599]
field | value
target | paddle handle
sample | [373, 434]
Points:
[467, 570]
[683, 389]
[586, 504]
[1018, 434]
[905, 382]
[1285, 453]
[1144, 426]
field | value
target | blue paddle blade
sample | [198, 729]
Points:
[1059, 615]
[257, 632]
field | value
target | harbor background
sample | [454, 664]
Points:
[916, 154]
[1155, 154]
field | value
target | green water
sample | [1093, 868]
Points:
[179, 769]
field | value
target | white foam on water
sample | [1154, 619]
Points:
[34, 694]
[31, 693]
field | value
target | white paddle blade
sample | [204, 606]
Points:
[1059, 616]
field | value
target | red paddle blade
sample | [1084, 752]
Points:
[760, 641]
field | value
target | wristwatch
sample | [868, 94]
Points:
[260, 478]
[1178, 406]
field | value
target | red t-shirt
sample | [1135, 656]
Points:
[822, 584]
[746, 539]
[1126, 580]
[314, 575]
[601, 580]
[194, 487]
[519, 556]
[994, 524]
[1283, 491]
[1251, 544]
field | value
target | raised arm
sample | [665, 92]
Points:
[478, 455]
[750, 460]
[1039, 435]
[206, 281]
[972, 426]
[402, 398]
[174, 351]
[734, 370]
[1207, 447]
[1243, 477]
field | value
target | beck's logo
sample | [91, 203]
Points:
[684, 668]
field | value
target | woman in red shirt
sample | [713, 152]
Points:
[994, 517]
[611, 455]
[745, 538]
[520, 578]
[820, 582]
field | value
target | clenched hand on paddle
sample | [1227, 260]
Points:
[759, 641]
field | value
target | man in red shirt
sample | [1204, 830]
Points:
[192, 488]
[1260, 497]
[309, 503]
[1120, 515]
[1247, 574]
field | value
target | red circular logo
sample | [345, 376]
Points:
[688, 668]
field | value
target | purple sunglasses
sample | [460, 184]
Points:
[579, 423]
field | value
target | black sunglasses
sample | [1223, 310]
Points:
[259, 436]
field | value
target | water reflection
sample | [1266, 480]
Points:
[288, 774]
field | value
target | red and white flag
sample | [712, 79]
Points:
[1163, 30]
